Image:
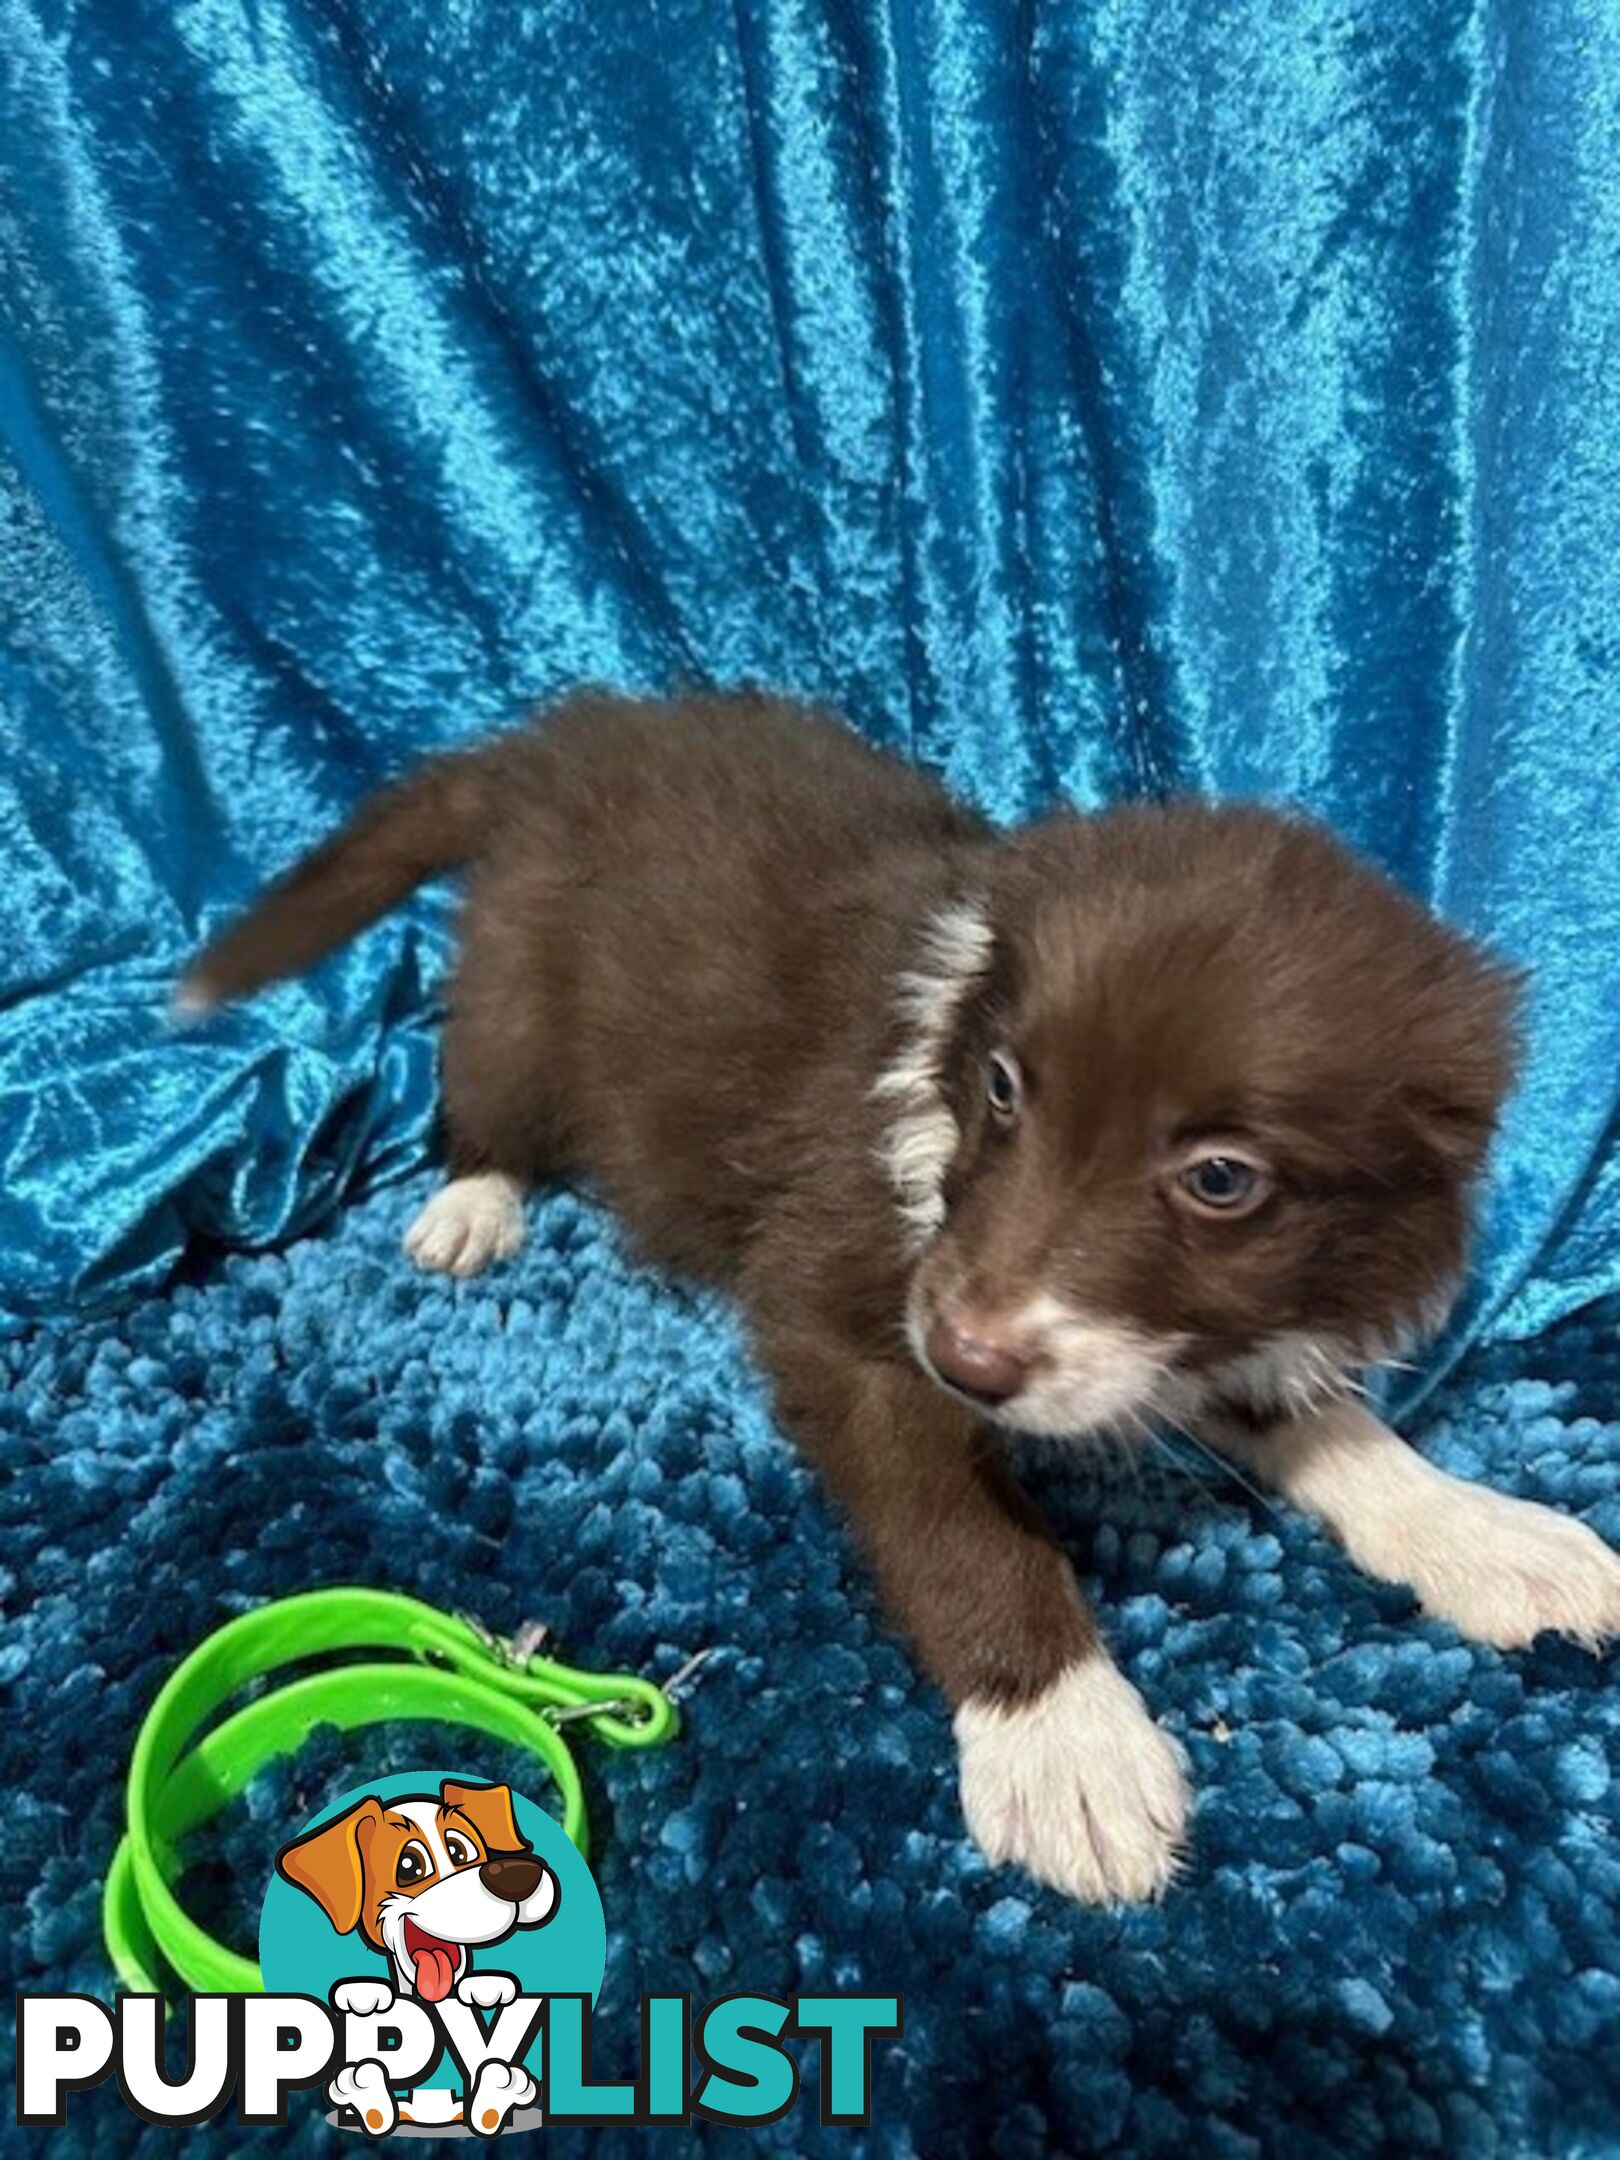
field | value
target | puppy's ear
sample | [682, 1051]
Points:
[328, 1863]
[489, 1808]
[1462, 1045]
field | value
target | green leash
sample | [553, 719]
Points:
[453, 1672]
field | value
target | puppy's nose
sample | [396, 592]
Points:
[978, 1357]
[513, 1876]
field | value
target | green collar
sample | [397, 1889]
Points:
[451, 1671]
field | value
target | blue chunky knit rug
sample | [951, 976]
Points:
[1399, 1934]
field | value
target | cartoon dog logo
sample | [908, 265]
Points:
[425, 1879]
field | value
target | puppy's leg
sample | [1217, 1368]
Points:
[1501, 1570]
[468, 1223]
[477, 1217]
[1063, 1770]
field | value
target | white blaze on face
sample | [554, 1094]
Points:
[921, 1140]
[1086, 1373]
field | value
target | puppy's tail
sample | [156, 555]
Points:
[427, 823]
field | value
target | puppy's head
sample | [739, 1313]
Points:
[424, 1878]
[1189, 1106]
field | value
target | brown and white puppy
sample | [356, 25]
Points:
[1170, 1113]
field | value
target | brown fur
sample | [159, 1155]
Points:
[683, 931]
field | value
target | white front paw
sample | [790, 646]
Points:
[364, 2087]
[363, 1998]
[487, 1990]
[501, 2087]
[1505, 1571]
[467, 1224]
[1078, 1785]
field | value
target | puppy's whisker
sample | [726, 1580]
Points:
[1191, 1473]
[1229, 1469]
[1133, 1452]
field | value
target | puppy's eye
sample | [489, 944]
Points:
[1003, 1085]
[463, 1852]
[1224, 1184]
[412, 1866]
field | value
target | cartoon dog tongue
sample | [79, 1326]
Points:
[435, 1964]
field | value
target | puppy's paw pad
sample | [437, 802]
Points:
[467, 1224]
[1079, 1786]
[364, 2087]
[487, 1990]
[1511, 1570]
[501, 2088]
[362, 1998]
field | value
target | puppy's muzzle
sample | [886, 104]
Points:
[977, 1358]
[513, 1876]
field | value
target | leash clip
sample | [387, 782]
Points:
[605, 1706]
[516, 1652]
[622, 1709]
[638, 1708]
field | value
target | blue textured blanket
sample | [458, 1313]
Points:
[1088, 398]
[1399, 1935]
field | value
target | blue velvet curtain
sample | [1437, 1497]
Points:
[1092, 396]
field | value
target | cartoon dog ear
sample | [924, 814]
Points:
[328, 1863]
[489, 1807]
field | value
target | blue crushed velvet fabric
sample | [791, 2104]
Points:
[1091, 399]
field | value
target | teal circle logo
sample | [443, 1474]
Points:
[433, 1892]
